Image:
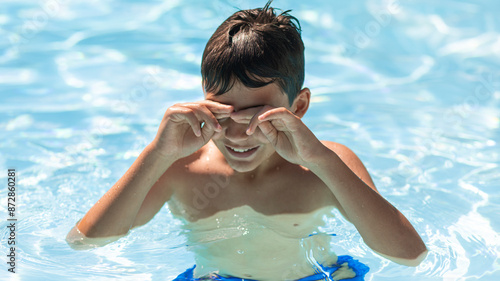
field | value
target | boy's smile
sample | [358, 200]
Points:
[241, 152]
[245, 153]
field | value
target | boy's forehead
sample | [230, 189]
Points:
[242, 97]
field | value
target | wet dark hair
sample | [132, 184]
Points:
[256, 47]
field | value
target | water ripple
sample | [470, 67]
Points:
[411, 86]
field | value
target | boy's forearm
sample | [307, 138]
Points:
[115, 212]
[381, 225]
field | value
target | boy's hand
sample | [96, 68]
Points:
[285, 131]
[186, 127]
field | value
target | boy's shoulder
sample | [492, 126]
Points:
[339, 149]
[351, 160]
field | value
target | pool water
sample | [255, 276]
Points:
[413, 87]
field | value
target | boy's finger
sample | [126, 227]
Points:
[247, 114]
[207, 132]
[193, 121]
[269, 131]
[205, 115]
[276, 113]
[282, 114]
[255, 121]
[222, 115]
[217, 107]
[241, 118]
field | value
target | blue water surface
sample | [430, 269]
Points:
[413, 87]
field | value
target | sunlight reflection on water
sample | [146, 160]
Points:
[412, 86]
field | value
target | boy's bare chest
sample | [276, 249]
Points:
[201, 195]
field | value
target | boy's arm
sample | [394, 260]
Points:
[124, 205]
[382, 226]
[160, 193]
[135, 198]
[115, 212]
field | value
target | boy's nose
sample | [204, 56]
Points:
[236, 131]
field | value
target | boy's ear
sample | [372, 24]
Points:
[301, 102]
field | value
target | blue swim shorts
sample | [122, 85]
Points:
[359, 268]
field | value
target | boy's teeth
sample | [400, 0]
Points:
[240, 150]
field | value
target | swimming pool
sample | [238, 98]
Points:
[413, 87]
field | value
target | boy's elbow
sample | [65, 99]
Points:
[413, 259]
[78, 241]
[414, 262]
[417, 254]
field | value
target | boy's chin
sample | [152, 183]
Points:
[243, 168]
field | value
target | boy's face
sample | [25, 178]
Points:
[242, 152]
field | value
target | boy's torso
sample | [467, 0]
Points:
[262, 217]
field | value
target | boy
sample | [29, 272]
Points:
[246, 174]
